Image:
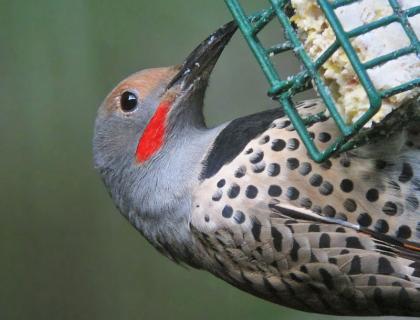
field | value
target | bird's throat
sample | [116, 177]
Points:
[154, 135]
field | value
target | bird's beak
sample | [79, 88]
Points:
[202, 60]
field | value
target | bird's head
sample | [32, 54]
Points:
[145, 110]
[146, 120]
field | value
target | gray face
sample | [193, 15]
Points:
[150, 139]
[124, 115]
[152, 194]
[121, 124]
[131, 130]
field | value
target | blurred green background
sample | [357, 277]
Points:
[65, 252]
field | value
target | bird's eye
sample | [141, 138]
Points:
[128, 101]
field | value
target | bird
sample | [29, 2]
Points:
[245, 202]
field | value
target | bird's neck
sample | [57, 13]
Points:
[156, 197]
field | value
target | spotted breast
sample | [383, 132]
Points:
[339, 237]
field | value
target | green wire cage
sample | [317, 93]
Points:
[285, 89]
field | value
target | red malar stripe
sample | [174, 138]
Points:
[154, 134]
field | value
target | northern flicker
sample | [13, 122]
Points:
[245, 202]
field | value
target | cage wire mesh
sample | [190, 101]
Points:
[284, 89]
